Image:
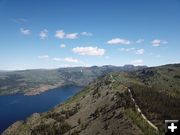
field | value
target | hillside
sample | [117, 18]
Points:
[115, 104]
[32, 82]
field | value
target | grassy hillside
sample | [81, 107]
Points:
[159, 93]
[36, 81]
[95, 110]
[105, 107]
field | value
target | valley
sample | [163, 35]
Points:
[106, 106]
[33, 82]
[89, 67]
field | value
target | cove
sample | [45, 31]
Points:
[19, 107]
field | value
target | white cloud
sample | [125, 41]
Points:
[67, 59]
[158, 42]
[72, 35]
[71, 60]
[93, 51]
[62, 45]
[118, 41]
[86, 34]
[140, 51]
[138, 62]
[43, 34]
[57, 59]
[139, 41]
[127, 50]
[25, 31]
[60, 34]
[44, 57]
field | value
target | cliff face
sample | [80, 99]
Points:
[123, 103]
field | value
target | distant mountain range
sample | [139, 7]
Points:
[32, 82]
[122, 102]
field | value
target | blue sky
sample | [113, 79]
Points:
[60, 33]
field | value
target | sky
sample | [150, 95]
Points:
[66, 33]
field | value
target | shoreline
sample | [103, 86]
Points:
[40, 90]
[15, 123]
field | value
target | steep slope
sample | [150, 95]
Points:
[126, 103]
[99, 109]
[157, 92]
[32, 82]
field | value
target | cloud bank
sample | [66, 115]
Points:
[118, 41]
[92, 51]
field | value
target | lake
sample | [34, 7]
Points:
[19, 107]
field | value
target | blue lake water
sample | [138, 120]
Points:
[19, 107]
